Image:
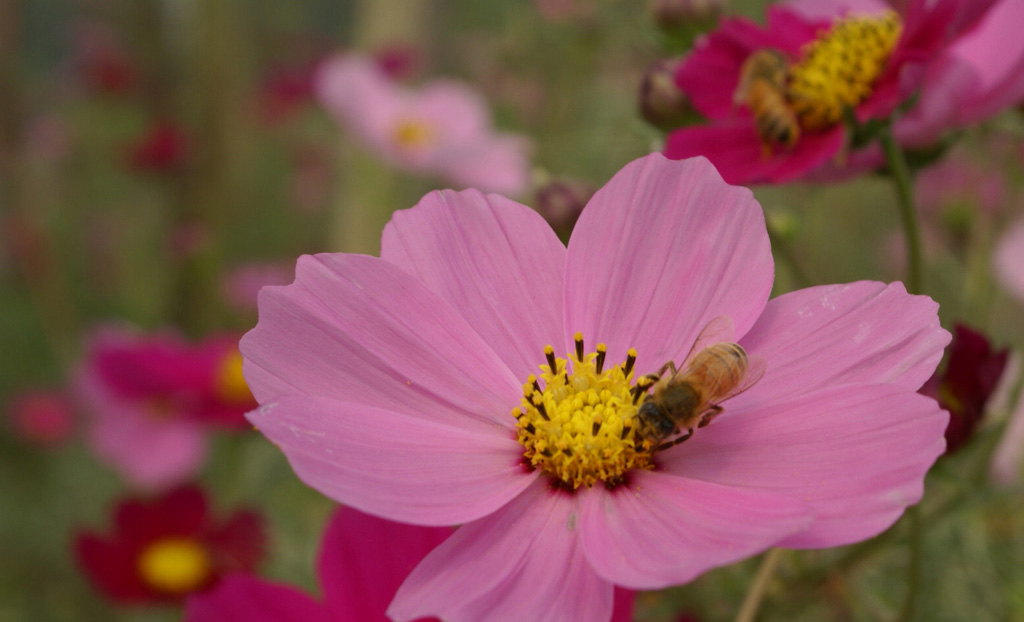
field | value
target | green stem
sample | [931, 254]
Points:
[782, 249]
[915, 564]
[905, 193]
[752, 601]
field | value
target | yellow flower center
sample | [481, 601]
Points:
[175, 565]
[412, 134]
[837, 70]
[579, 425]
[230, 383]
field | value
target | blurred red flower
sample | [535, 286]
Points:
[164, 549]
[162, 148]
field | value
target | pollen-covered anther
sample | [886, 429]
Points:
[576, 421]
[838, 70]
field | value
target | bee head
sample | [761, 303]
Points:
[654, 422]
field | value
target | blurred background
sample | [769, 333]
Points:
[160, 160]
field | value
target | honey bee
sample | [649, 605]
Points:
[681, 401]
[762, 88]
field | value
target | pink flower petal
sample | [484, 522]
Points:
[458, 111]
[1008, 260]
[856, 453]
[497, 163]
[664, 530]
[840, 334]
[658, 252]
[397, 466]
[522, 563]
[496, 261]
[241, 598]
[353, 327]
[736, 151]
[363, 560]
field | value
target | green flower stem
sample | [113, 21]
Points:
[783, 250]
[915, 564]
[752, 601]
[905, 193]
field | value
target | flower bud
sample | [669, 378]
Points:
[560, 202]
[662, 103]
[673, 15]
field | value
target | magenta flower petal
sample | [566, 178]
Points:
[857, 453]
[736, 151]
[839, 334]
[363, 560]
[434, 473]
[521, 563]
[241, 598]
[353, 327]
[690, 247]
[496, 261]
[699, 525]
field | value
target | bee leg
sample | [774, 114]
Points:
[670, 366]
[675, 442]
[709, 416]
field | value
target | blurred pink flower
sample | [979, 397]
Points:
[153, 399]
[1008, 261]
[399, 386]
[442, 129]
[1008, 457]
[887, 63]
[960, 180]
[241, 283]
[43, 417]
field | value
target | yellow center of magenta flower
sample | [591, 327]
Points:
[230, 383]
[175, 565]
[412, 134]
[837, 71]
[579, 425]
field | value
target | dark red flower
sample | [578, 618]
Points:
[164, 549]
[163, 148]
[972, 371]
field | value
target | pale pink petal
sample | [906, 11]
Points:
[357, 328]
[1008, 261]
[397, 466]
[521, 563]
[830, 9]
[496, 261]
[664, 530]
[662, 249]
[856, 453]
[496, 163]
[995, 51]
[458, 112]
[360, 97]
[363, 559]
[241, 598]
[839, 334]
[1008, 457]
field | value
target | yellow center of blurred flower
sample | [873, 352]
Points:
[579, 426]
[230, 383]
[175, 565]
[837, 71]
[412, 134]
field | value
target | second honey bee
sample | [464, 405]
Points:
[683, 400]
[762, 88]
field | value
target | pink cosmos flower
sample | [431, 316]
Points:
[153, 399]
[43, 417]
[442, 129]
[1008, 261]
[415, 387]
[880, 57]
[240, 284]
[163, 549]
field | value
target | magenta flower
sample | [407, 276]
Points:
[163, 549]
[864, 65]
[43, 417]
[443, 129]
[153, 399]
[418, 387]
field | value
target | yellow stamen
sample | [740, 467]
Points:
[413, 134]
[579, 426]
[175, 565]
[230, 383]
[837, 71]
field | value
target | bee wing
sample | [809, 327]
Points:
[755, 369]
[716, 331]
